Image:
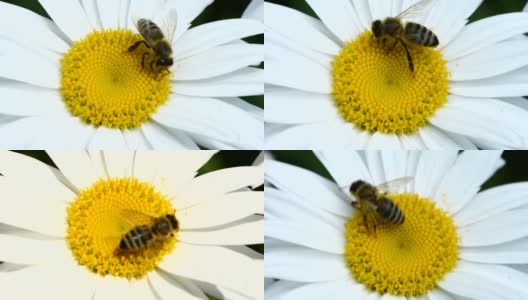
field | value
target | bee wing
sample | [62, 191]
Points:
[126, 220]
[171, 23]
[394, 185]
[414, 10]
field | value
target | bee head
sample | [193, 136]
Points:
[165, 62]
[355, 185]
[377, 28]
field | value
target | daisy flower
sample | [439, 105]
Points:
[456, 241]
[58, 227]
[329, 82]
[71, 82]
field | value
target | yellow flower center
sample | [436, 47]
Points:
[407, 259]
[105, 85]
[101, 215]
[375, 89]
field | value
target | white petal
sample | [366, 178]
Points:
[485, 32]
[17, 60]
[515, 252]
[119, 163]
[503, 227]
[69, 16]
[210, 35]
[279, 48]
[208, 186]
[92, 13]
[435, 139]
[135, 139]
[278, 288]
[299, 27]
[412, 142]
[47, 282]
[46, 195]
[189, 285]
[511, 84]
[208, 263]
[244, 82]
[304, 265]
[30, 251]
[255, 111]
[380, 9]
[76, 166]
[317, 136]
[491, 120]
[169, 171]
[109, 13]
[212, 118]
[109, 287]
[299, 73]
[234, 206]
[167, 288]
[218, 61]
[338, 17]
[162, 138]
[491, 61]
[438, 294]
[19, 133]
[255, 10]
[382, 141]
[37, 30]
[316, 236]
[394, 163]
[290, 208]
[457, 188]
[493, 201]
[62, 133]
[431, 169]
[146, 9]
[312, 188]
[344, 165]
[447, 22]
[338, 290]
[246, 233]
[482, 281]
[289, 106]
[107, 138]
[187, 11]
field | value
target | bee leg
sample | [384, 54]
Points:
[151, 65]
[409, 57]
[136, 44]
[143, 60]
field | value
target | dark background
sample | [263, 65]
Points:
[219, 10]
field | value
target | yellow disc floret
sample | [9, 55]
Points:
[105, 85]
[374, 88]
[95, 229]
[407, 259]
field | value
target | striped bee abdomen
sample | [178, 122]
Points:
[390, 211]
[137, 238]
[420, 35]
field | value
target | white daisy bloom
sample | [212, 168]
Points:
[75, 83]
[456, 242]
[330, 82]
[61, 230]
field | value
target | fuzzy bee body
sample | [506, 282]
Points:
[155, 40]
[406, 33]
[374, 204]
[140, 237]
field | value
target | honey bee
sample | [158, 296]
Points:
[374, 204]
[153, 38]
[150, 229]
[410, 32]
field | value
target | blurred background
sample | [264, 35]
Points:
[219, 10]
